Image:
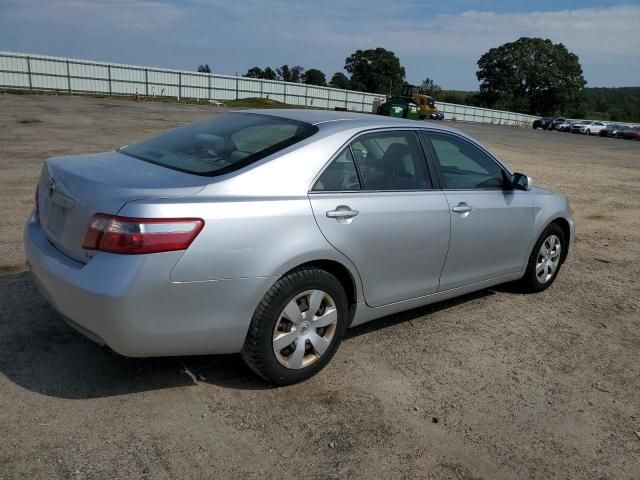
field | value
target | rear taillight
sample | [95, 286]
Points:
[109, 233]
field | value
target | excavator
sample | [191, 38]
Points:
[426, 102]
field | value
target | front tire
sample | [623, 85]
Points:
[545, 259]
[297, 327]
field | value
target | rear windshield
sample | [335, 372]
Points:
[220, 144]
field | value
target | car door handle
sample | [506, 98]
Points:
[342, 212]
[462, 207]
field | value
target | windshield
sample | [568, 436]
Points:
[220, 144]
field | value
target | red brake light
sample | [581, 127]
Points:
[125, 235]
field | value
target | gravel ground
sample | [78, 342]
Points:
[495, 385]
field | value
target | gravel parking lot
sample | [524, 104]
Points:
[495, 385]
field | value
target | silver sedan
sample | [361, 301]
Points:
[270, 234]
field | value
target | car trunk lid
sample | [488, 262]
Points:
[73, 188]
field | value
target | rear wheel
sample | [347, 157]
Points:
[545, 259]
[297, 327]
[588, 132]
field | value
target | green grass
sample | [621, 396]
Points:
[241, 103]
[257, 103]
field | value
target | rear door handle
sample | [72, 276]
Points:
[342, 212]
[462, 207]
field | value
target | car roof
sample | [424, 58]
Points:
[323, 118]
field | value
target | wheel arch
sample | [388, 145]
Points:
[345, 276]
[563, 223]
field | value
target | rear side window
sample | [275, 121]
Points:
[340, 176]
[391, 161]
[220, 144]
[378, 161]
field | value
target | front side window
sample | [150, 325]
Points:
[220, 144]
[465, 166]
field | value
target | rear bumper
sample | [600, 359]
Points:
[128, 302]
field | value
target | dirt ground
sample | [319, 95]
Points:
[495, 385]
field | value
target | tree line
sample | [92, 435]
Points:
[530, 75]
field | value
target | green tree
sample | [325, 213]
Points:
[376, 71]
[269, 74]
[290, 74]
[340, 80]
[430, 87]
[257, 72]
[313, 76]
[254, 72]
[531, 75]
[204, 68]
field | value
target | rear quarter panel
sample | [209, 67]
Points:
[245, 237]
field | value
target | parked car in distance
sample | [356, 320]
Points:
[611, 129]
[270, 234]
[566, 125]
[588, 127]
[556, 123]
[618, 132]
[542, 122]
[630, 133]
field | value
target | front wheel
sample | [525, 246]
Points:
[545, 260]
[297, 326]
[588, 132]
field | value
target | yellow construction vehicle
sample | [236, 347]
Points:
[426, 102]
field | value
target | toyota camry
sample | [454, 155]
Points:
[269, 234]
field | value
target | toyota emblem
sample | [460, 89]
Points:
[51, 186]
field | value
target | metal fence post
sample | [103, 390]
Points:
[306, 95]
[146, 82]
[237, 86]
[179, 85]
[68, 77]
[209, 86]
[109, 75]
[29, 73]
[261, 89]
[285, 93]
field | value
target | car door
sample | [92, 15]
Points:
[375, 202]
[491, 223]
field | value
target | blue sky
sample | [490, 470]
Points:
[439, 39]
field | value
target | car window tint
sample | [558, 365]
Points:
[221, 144]
[463, 165]
[340, 175]
[255, 139]
[391, 161]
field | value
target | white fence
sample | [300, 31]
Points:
[39, 72]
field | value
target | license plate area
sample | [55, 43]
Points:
[57, 211]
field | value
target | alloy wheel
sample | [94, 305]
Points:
[548, 258]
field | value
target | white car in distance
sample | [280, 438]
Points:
[588, 127]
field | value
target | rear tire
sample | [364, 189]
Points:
[545, 260]
[286, 342]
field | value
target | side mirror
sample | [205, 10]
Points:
[520, 181]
